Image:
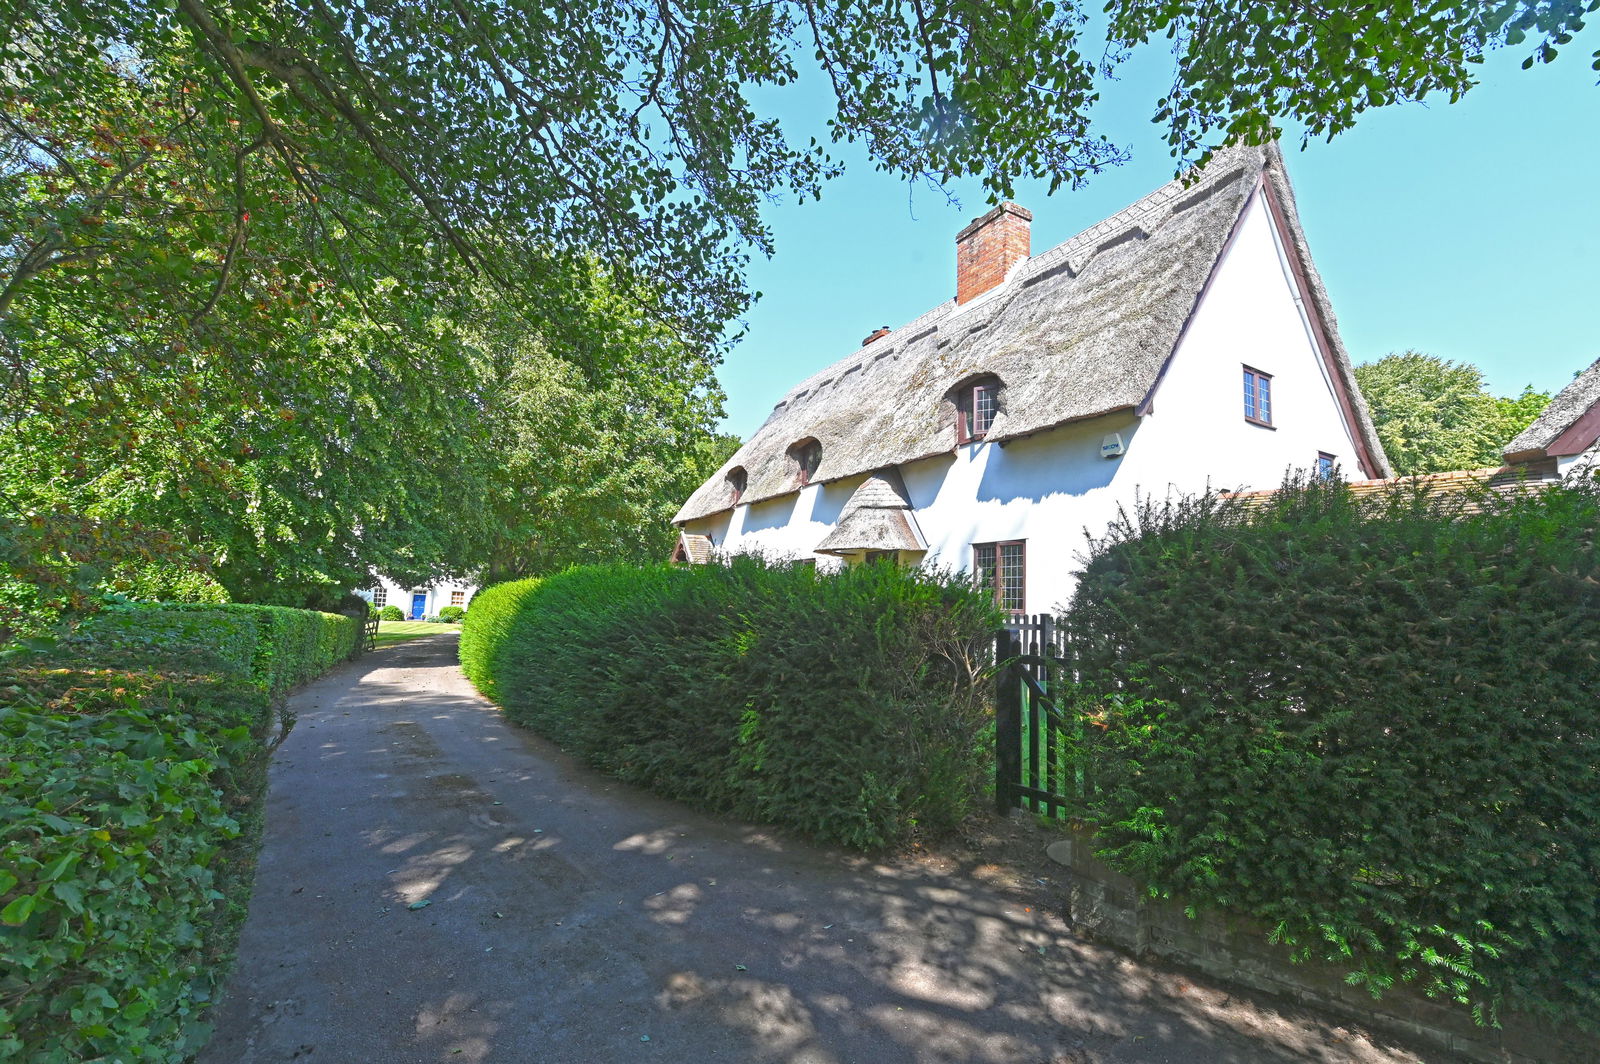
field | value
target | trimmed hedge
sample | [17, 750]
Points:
[486, 638]
[1375, 726]
[133, 764]
[849, 706]
[277, 647]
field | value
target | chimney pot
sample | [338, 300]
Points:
[882, 331]
[987, 249]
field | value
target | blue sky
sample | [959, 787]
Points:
[1471, 231]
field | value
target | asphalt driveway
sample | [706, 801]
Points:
[440, 886]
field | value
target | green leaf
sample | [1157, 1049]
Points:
[16, 914]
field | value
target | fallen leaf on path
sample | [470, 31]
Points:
[423, 904]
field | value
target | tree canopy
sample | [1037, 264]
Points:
[1434, 415]
[248, 248]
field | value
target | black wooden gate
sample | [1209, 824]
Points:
[1031, 769]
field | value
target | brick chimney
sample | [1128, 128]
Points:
[988, 248]
[877, 334]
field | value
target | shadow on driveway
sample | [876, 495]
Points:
[564, 917]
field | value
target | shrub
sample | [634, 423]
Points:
[391, 612]
[846, 706]
[129, 824]
[275, 646]
[1374, 726]
[486, 632]
[451, 614]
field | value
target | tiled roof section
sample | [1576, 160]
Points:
[696, 550]
[1467, 485]
[1078, 331]
[1564, 413]
[877, 517]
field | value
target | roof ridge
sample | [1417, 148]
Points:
[1117, 224]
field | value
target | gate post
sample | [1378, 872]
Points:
[1007, 720]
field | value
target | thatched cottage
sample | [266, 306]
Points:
[1183, 342]
[1566, 434]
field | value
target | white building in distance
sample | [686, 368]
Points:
[417, 602]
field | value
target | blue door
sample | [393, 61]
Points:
[419, 601]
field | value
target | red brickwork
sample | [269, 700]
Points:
[988, 248]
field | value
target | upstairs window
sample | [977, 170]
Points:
[807, 455]
[1257, 397]
[1002, 568]
[976, 405]
[737, 480]
[1325, 464]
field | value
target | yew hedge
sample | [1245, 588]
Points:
[850, 707]
[1374, 725]
[133, 767]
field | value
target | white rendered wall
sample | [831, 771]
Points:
[1248, 317]
[436, 595]
[1052, 488]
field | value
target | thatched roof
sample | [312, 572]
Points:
[877, 517]
[1467, 488]
[695, 550]
[1082, 330]
[1569, 425]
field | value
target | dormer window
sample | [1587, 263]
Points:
[737, 480]
[976, 405]
[807, 455]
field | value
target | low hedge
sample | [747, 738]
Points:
[275, 646]
[133, 764]
[1373, 725]
[847, 706]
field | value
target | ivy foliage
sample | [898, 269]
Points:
[850, 706]
[1374, 725]
[129, 801]
[133, 766]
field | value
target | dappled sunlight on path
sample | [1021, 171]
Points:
[439, 886]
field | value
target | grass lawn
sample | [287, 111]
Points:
[390, 632]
